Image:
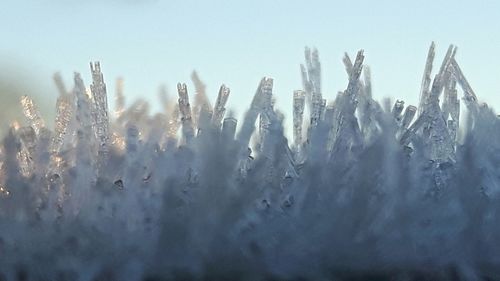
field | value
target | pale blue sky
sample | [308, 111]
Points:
[150, 42]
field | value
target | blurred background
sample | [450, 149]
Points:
[153, 42]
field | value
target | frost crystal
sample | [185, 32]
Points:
[220, 103]
[391, 191]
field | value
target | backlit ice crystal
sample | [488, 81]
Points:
[389, 191]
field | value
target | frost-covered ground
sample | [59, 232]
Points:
[365, 191]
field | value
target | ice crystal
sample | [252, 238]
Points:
[364, 190]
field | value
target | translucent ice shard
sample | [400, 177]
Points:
[410, 133]
[347, 63]
[352, 90]
[432, 120]
[185, 112]
[469, 95]
[442, 76]
[440, 142]
[200, 98]
[408, 116]
[426, 80]
[219, 107]
[298, 116]
[318, 105]
[63, 117]
[85, 144]
[267, 108]
[306, 84]
[311, 79]
[261, 100]
[100, 112]
[64, 113]
[368, 82]
[451, 107]
[345, 133]
[82, 103]
[32, 114]
[256, 107]
[368, 110]
[314, 71]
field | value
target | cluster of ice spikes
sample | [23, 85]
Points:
[364, 189]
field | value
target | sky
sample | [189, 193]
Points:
[153, 42]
